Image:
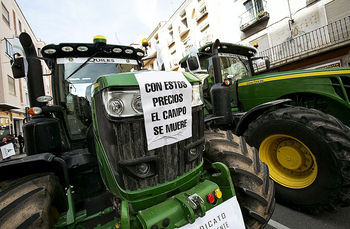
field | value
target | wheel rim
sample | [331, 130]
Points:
[291, 163]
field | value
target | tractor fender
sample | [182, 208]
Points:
[39, 163]
[256, 112]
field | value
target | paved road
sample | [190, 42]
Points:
[284, 218]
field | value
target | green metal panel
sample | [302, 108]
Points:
[260, 89]
[177, 209]
[143, 197]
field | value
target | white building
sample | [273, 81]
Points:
[294, 34]
[13, 92]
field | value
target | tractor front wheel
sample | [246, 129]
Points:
[32, 201]
[307, 153]
[254, 189]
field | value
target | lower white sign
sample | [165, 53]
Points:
[7, 150]
[166, 102]
[226, 215]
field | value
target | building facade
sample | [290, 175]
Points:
[293, 34]
[13, 92]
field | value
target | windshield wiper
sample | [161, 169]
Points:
[83, 64]
[243, 63]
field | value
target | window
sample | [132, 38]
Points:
[4, 127]
[203, 14]
[157, 38]
[254, 5]
[183, 27]
[184, 22]
[171, 36]
[249, 7]
[5, 14]
[8, 48]
[12, 88]
[27, 99]
[19, 26]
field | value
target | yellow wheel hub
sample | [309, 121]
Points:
[290, 162]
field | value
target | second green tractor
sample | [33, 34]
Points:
[297, 120]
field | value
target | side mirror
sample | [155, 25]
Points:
[192, 63]
[17, 66]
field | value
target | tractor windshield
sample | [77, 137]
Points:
[232, 65]
[75, 89]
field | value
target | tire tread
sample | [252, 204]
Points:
[254, 189]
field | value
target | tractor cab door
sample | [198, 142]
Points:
[233, 66]
[73, 89]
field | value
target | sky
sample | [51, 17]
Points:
[120, 21]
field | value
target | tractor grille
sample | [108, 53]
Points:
[125, 142]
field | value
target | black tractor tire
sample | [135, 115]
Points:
[32, 201]
[308, 155]
[254, 189]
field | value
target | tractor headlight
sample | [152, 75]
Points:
[115, 106]
[137, 104]
[122, 103]
[143, 168]
[196, 95]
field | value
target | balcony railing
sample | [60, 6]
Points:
[323, 37]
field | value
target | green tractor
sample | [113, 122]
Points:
[137, 134]
[298, 121]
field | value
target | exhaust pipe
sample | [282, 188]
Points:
[35, 82]
[220, 94]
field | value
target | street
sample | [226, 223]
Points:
[284, 218]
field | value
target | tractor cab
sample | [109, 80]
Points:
[234, 62]
[75, 68]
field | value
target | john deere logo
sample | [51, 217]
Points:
[127, 61]
[70, 59]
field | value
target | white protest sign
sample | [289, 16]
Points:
[166, 102]
[7, 150]
[226, 215]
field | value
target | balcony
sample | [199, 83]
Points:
[328, 37]
[183, 29]
[202, 14]
[171, 42]
[184, 41]
[252, 17]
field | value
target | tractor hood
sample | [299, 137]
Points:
[128, 79]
